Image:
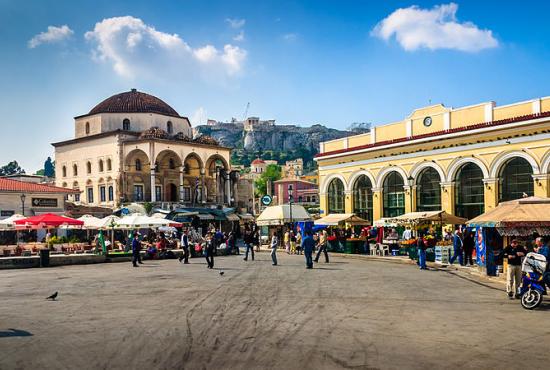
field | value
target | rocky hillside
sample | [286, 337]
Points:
[279, 142]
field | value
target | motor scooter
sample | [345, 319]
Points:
[534, 280]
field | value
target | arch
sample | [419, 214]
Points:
[75, 185]
[64, 171]
[109, 164]
[393, 194]
[126, 124]
[362, 197]
[428, 189]
[545, 163]
[133, 156]
[87, 129]
[419, 167]
[356, 175]
[88, 167]
[64, 185]
[169, 127]
[515, 179]
[469, 190]
[326, 182]
[336, 194]
[455, 166]
[189, 166]
[75, 170]
[387, 170]
[215, 157]
[100, 165]
[502, 159]
[168, 160]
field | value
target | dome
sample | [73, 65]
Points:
[134, 101]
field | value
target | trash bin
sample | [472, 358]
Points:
[44, 258]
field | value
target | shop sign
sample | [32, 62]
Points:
[266, 200]
[44, 202]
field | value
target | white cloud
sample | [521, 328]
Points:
[239, 37]
[290, 37]
[235, 22]
[52, 35]
[135, 48]
[437, 28]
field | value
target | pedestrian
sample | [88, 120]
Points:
[469, 246]
[274, 243]
[298, 242]
[185, 247]
[287, 242]
[292, 243]
[407, 234]
[232, 243]
[248, 243]
[307, 246]
[421, 248]
[322, 247]
[513, 253]
[136, 249]
[542, 248]
[457, 248]
[210, 251]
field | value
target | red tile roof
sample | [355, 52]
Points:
[8, 185]
[437, 133]
[257, 161]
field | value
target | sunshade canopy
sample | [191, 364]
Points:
[9, 223]
[435, 216]
[340, 219]
[47, 220]
[280, 215]
[141, 221]
[524, 212]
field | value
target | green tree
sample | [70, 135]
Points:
[40, 172]
[272, 173]
[49, 168]
[11, 168]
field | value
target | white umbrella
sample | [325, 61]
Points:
[90, 221]
[107, 222]
[8, 223]
[138, 221]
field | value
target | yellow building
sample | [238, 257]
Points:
[462, 160]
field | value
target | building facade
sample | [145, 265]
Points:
[133, 147]
[293, 169]
[303, 192]
[464, 161]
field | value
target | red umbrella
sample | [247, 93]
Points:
[47, 220]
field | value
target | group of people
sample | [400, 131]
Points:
[308, 243]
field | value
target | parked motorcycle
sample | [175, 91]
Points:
[534, 280]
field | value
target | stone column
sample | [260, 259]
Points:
[410, 198]
[153, 186]
[377, 205]
[323, 203]
[348, 201]
[490, 193]
[541, 185]
[181, 183]
[203, 188]
[448, 197]
[227, 179]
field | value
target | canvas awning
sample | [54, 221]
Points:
[205, 216]
[520, 213]
[431, 216]
[46, 221]
[232, 217]
[246, 216]
[141, 221]
[280, 215]
[340, 219]
[384, 222]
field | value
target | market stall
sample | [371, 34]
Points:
[347, 242]
[522, 219]
[281, 215]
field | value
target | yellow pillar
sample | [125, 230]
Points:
[410, 198]
[490, 193]
[448, 197]
[376, 203]
[542, 183]
[348, 202]
[323, 204]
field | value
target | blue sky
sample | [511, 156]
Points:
[299, 62]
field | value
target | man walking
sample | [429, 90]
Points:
[248, 243]
[469, 245]
[136, 248]
[421, 248]
[307, 246]
[457, 248]
[274, 243]
[210, 251]
[322, 247]
[513, 253]
[185, 247]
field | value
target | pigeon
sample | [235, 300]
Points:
[53, 296]
[221, 272]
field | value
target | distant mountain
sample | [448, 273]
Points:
[264, 139]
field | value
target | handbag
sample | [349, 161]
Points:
[198, 248]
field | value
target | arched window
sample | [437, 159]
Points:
[87, 128]
[362, 197]
[111, 194]
[109, 164]
[126, 124]
[138, 164]
[394, 195]
[428, 191]
[169, 127]
[336, 196]
[100, 165]
[171, 164]
[88, 167]
[75, 170]
[64, 171]
[516, 179]
[469, 197]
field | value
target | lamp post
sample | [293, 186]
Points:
[411, 179]
[290, 199]
[23, 197]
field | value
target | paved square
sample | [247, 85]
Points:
[347, 314]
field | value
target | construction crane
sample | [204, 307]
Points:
[246, 111]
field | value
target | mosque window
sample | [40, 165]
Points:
[172, 164]
[101, 165]
[109, 164]
[138, 165]
[169, 127]
[75, 170]
[64, 171]
[88, 167]
[126, 124]
[87, 128]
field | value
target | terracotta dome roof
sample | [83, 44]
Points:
[257, 161]
[134, 101]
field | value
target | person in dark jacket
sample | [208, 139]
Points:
[421, 247]
[248, 243]
[210, 251]
[457, 248]
[469, 245]
[307, 245]
[136, 249]
[185, 247]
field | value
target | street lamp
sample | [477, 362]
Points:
[411, 181]
[23, 197]
[290, 199]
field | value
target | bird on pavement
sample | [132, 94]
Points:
[53, 296]
[221, 272]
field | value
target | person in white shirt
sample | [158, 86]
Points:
[407, 234]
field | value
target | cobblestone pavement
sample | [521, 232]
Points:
[351, 313]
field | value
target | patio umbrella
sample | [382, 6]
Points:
[137, 221]
[9, 223]
[47, 221]
[90, 222]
